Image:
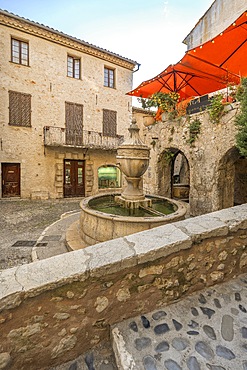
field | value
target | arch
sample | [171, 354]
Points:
[232, 179]
[173, 174]
[109, 177]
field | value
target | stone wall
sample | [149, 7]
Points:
[217, 173]
[56, 309]
[216, 19]
[46, 80]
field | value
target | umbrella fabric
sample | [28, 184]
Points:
[187, 79]
[209, 67]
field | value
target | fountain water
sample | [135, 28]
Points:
[109, 216]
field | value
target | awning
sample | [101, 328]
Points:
[210, 67]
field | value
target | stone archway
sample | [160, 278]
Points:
[173, 174]
[232, 179]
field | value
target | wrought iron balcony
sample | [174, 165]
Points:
[59, 136]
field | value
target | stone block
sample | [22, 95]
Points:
[159, 242]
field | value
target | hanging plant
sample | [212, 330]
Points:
[241, 118]
[164, 102]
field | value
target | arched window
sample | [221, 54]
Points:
[109, 177]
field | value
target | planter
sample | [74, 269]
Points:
[180, 191]
[148, 121]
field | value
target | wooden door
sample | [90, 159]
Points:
[10, 180]
[74, 178]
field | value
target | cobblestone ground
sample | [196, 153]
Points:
[207, 330]
[24, 220]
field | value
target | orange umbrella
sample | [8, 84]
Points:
[187, 79]
[209, 67]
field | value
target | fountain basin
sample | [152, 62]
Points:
[97, 226]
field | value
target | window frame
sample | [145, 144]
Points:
[108, 78]
[24, 113]
[73, 71]
[108, 183]
[19, 57]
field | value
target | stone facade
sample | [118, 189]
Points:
[217, 174]
[45, 78]
[53, 310]
[216, 19]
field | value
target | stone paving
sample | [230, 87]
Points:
[23, 221]
[207, 330]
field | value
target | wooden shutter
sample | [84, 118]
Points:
[19, 109]
[109, 123]
[74, 123]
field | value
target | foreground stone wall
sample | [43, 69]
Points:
[55, 309]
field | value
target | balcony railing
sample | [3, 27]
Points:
[57, 136]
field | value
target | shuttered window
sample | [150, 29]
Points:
[19, 109]
[109, 123]
[73, 123]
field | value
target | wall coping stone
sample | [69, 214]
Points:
[115, 255]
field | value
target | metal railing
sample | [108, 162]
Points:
[57, 136]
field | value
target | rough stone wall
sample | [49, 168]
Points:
[55, 309]
[211, 158]
[47, 82]
[217, 18]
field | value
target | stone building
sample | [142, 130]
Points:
[59, 120]
[218, 17]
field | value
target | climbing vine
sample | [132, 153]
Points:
[241, 118]
[194, 130]
[216, 108]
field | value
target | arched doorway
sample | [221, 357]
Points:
[232, 184]
[174, 174]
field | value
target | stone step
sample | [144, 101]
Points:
[207, 330]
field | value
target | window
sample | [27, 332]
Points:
[19, 109]
[109, 123]
[73, 67]
[19, 52]
[109, 177]
[109, 77]
[74, 123]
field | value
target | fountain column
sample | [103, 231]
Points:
[133, 160]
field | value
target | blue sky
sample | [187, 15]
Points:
[148, 31]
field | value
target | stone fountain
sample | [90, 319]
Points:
[109, 216]
[133, 160]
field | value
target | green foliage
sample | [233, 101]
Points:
[168, 155]
[194, 130]
[241, 118]
[165, 101]
[216, 109]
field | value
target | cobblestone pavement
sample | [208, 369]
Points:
[24, 220]
[207, 330]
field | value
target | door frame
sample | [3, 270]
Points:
[74, 181]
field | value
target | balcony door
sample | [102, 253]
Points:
[10, 180]
[74, 178]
